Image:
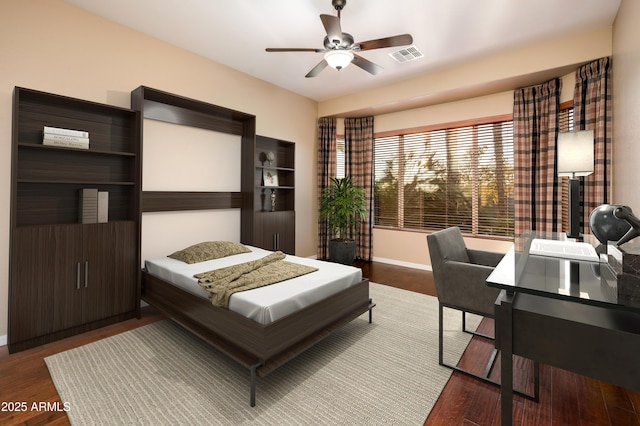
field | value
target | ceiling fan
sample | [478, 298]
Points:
[339, 47]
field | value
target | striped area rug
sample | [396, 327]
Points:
[364, 374]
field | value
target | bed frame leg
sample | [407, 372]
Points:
[371, 310]
[252, 384]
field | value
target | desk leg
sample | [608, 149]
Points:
[504, 309]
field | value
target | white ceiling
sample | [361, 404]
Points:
[448, 32]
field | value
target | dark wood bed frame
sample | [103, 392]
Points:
[260, 348]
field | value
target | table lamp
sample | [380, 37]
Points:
[575, 159]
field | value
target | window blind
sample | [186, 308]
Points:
[340, 158]
[461, 176]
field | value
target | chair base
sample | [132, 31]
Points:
[492, 359]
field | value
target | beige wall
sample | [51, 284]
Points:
[478, 89]
[626, 106]
[491, 74]
[52, 46]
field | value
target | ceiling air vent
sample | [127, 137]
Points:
[407, 54]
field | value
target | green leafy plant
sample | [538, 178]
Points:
[343, 205]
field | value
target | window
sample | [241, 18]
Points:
[565, 125]
[340, 158]
[455, 176]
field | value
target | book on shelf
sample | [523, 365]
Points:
[66, 132]
[103, 206]
[89, 205]
[68, 144]
[64, 140]
[56, 136]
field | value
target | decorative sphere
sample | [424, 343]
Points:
[605, 226]
[270, 156]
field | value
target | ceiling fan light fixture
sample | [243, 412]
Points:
[338, 59]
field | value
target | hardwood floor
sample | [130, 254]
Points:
[566, 398]
[25, 379]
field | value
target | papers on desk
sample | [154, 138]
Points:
[564, 249]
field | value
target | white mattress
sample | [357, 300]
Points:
[269, 303]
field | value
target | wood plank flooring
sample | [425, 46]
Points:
[566, 398]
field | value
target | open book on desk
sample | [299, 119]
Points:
[564, 249]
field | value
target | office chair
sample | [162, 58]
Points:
[460, 276]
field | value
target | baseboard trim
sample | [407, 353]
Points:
[403, 263]
[3, 340]
[394, 262]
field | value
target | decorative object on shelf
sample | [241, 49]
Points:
[89, 205]
[56, 136]
[103, 207]
[270, 157]
[343, 206]
[273, 200]
[605, 226]
[94, 206]
[575, 159]
[270, 177]
[625, 213]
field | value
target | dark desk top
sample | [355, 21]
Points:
[592, 283]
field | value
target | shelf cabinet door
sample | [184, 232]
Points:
[109, 256]
[276, 231]
[64, 276]
[44, 291]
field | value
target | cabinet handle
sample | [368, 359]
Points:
[78, 276]
[86, 273]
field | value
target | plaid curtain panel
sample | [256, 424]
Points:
[592, 110]
[358, 140]
[326, 170]
[535, 129]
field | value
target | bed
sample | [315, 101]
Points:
[262, 328]
[259, 345]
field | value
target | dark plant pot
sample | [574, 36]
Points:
[342, 251]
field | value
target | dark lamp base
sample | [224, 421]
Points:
[576, 236]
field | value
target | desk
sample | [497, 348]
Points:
[565, 314]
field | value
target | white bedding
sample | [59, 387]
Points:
[269, 303]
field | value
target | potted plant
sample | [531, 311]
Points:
[343, 205]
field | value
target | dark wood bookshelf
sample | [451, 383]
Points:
[275, 225]
[67, 277]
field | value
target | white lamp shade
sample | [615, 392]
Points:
[338, 59]
[575, 153]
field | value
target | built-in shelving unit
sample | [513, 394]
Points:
[67, 277]
[274, 201]
[261, 227]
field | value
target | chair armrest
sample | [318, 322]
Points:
[463, 285]
[487, 258]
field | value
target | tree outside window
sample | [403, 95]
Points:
[461, 176]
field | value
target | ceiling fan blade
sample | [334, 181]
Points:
[332, 27]
[316, 70]
[366, 65]
[399, 40]
[293, 49]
